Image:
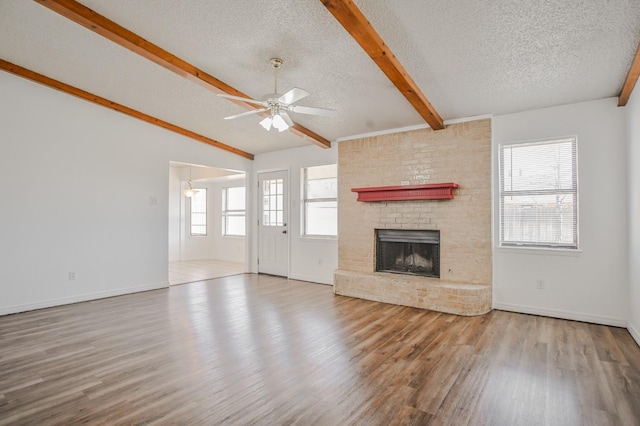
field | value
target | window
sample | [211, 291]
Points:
[198, 205]
[273, 202]
[539, 194]
[320, 196]
[233, 211]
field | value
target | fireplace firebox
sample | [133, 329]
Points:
[411, 252]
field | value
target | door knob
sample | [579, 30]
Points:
[284, 232]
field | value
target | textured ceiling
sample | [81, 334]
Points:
[468, 57]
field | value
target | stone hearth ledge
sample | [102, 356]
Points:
[415, 291]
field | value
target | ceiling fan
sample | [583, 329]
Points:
[279, 105]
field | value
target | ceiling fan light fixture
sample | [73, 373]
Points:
[266, 123]
[279, 123]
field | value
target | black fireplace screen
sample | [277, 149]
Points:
[413, 252]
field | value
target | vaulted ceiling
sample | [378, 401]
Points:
[467, 57]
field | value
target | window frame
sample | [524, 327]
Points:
[574, 190]
[305, 200]
[275, 212]
[206, 213]
[226, 212]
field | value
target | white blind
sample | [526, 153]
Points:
[233, 211]
[539, 194]
[321, 200]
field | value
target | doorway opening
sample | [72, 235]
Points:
[207, 230]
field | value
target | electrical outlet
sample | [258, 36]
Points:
[540, 284]
[153, 200]
[72, 276]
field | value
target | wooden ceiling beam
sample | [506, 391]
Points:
[357, 25]
[630, 81]
[82, 94]
[99, 24]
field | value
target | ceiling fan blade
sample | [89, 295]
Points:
[286, 118]
[238, 98]
[242, 114]
[313, 111]
[293, 95]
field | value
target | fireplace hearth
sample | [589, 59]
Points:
[411, 252]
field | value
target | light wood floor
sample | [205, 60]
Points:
[189, 271]
[252, 349]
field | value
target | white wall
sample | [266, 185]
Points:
[311, 259]
[213, 245]
[175, 214]
[591, 285]
[633, 120]
[76, 184]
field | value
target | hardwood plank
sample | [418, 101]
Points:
[357, 25]
[411, 416]
[254, 349]
[503, 375]
[99, 24]
[561, 396]
[610, 351]
[622, 380]
[531, 379]
[465, 403]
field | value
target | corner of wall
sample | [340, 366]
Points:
[633, 189]
[634, 333]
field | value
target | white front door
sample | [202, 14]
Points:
[273, 240]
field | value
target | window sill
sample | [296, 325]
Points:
[540, 251]
[236, 237]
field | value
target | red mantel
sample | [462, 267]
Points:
[431, 191]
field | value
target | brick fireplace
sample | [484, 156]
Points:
[460, 153]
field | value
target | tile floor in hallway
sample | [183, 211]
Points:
[198, 270]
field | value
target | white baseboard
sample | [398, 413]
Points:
[79, 298]
[312, 279]
[634, 333]
[576, 316]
